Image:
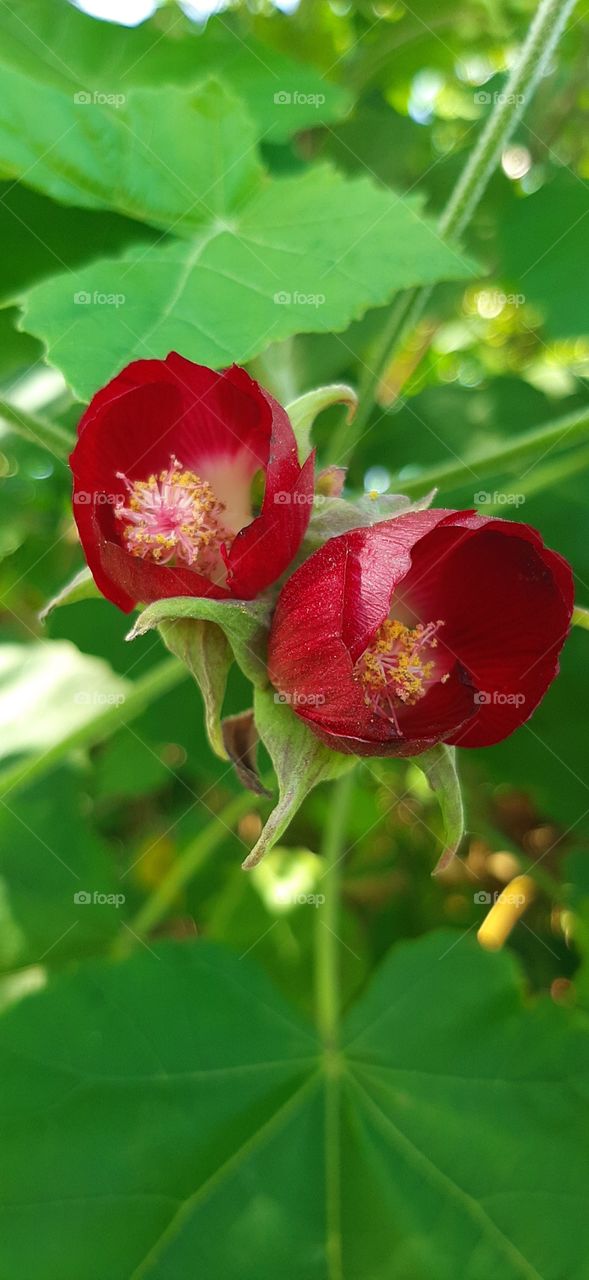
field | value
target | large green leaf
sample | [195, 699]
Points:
[59, 886]
[171, 157]
[307, 253]
[177, 1112]
[40, 237]
[53, 42]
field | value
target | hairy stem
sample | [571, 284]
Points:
[541, 41]
[569, 430]
[581, 617]
[327, 992]
[56, 439]
[326, 940]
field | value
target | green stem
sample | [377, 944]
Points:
[560, 434]
[144, 691]
[326, 941]
[581, 618]
[327, 995]
[541, 41]
[545, 477]
[53, 437]
[194, 857]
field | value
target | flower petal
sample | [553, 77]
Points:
[223, 426]
[505, 602]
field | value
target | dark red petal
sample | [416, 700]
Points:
[496, 719]
[507, 603]
[325, 616]
[505, 599]
[228, 413]
[224, 423]
[307, 657]
[266, 547]
[158, 408]
[143, 581]
[377, 560]
[127, 580]
[330, 608]
[132, 433]
[444, 709]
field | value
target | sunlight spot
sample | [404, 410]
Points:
[515, 162]
[377, 480]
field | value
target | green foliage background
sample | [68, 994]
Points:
[258, 188]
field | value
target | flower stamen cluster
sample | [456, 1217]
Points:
[174, 517]
[397, 668]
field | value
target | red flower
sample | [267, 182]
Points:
[163, 473]
[435, 626]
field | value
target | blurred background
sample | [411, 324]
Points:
[128, 800]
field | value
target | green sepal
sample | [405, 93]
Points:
[300, 762]
[245, 623]
[439, 767]
[204, 648]
[207, 635]
[302, 412]
[81, 587]
[333, 516]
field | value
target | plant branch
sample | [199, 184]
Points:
[326, 937]
[56, 439]
[142, 693]
[571, 429]
[194, 857]
[581, 618]
[544, 33]
[327, 990]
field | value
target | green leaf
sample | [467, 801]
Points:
[303, 254]
[81, 53]
[172, 157]
[83, 703]
[453, 1149]
[439, 767]
[303, 411]
[70, 687]
[244, 622]
[81, 587]
[40, 237]
[300, 762]
[49, 854]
